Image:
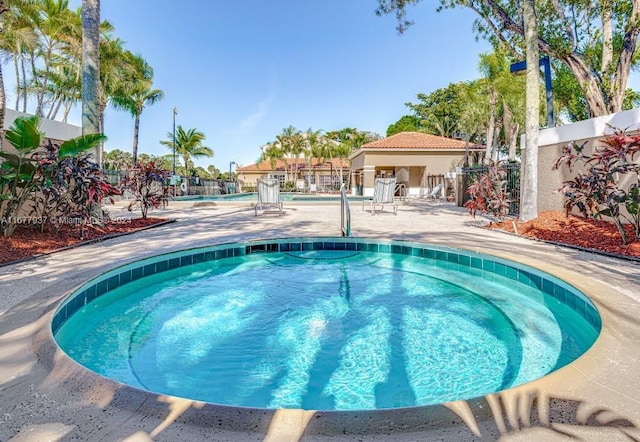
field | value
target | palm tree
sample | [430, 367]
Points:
[136, 94]
[16, 36]
[272, 153]
[291, 145]
[91, 69]
[529, 208]
[117, 159]
[54, 25]
[312, 140]
[188, 145]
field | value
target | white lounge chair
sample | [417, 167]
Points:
[383, 193]
[269, 196]
[436, 193]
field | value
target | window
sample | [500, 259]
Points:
[325, 181]
[279, 176]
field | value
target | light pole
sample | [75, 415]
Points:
[175, 112]
[229, 178]
[521, 66]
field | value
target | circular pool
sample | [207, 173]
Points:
[325, 324]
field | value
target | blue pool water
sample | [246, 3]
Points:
[315, 325]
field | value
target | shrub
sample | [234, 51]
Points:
[597, 190]
[58, 180]
[147, 183]
[488, 192]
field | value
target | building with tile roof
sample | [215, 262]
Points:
[308, 174]
[417, 160]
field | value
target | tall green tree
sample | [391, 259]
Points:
[503, 92]
[117, 159]
[17, 39]
[189, 145]
[17, 36]
[271, 153]
[567, 31]
[440, 110]
[292, 145]
[406, 123]
[343, 142]
[54, 25]
[135, 93]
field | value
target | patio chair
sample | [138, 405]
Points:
[436, 193]
[269, 196]
[383, 193]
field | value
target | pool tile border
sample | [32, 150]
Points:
[491, 266]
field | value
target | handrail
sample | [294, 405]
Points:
[345, 213]
[401, 190]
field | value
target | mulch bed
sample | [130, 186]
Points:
[29, 240]
[592, 234]
[552, 226]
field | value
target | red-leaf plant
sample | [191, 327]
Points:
[488, 192]
[147, 183]
[609, 180]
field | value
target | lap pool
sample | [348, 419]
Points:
[325, 324]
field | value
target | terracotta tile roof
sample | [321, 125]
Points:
[417, 140]
[299, 163]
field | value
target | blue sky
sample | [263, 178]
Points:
[242, 71]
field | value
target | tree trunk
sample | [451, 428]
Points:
[629, 43]
[91, 69]
[45, 82]
[3, 98]
[23, 65]
[511, 129]
[16, 64]
[607, 37]
[136, 129]
[529, 192]
[67, 110]
[493, 99]
[3, 107]
[57, 108]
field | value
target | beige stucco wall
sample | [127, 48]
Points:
[551, 141]
[250, 179]
[436, 162]
[419, 164]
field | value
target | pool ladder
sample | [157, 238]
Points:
[345, 213]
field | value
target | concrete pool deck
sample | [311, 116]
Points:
[46, 396]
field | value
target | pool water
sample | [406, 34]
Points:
[325, 330]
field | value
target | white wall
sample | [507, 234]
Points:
[552, 140]
[629, 121]
[55, 130]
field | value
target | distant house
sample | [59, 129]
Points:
[304, 174]
[414, 158]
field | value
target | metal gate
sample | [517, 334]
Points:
[512, 182]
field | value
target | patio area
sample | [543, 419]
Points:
[46, 396]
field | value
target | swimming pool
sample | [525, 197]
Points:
[325, 324]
